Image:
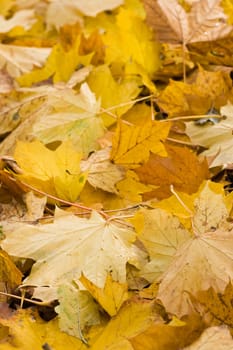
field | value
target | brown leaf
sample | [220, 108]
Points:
[206, 20]
[181, 168]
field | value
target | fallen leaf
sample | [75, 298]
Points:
[213, 337]
[54, 172]
[95, 240]
[111, 297]
[18, 59]
[181, 168]
[69, 10]
[131, 320]
[116, 96]
[215, 308]
[206, 259]
[173, 336]
[132, 144]
[131, 41]
[76, 310]
[131, 189]
[101, 172]
[216, 137]
[24, 18]
[27, 331]
[162, 235]
[204, 21]
[10, 276]
[209, 90]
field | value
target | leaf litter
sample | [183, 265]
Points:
[116, 175]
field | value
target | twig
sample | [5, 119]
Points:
[40, 303]
[190, 117]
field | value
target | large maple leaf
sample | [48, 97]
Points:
[203, 261]
[71, 245]
[204, 21]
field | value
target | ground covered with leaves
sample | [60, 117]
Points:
[116, 171]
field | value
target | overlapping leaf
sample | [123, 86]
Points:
[82, 245]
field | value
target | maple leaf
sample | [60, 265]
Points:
[131, 189]
[24, 18]
[20, 59]
[213, 337]
[54, 172]
[162, 235]
[132, 144]
[215, 307]
[216, 137]
[174, 335]
[131, 42]
[115, 95]
[10, 276]
[27, 331]
[69, 10]
[60, 65]
[111, 297]
[206, 258]
[131, 320]
[95, 247]
[206, 20]
[101, 172]
[208, 90]
[181, 168]
[77, 310]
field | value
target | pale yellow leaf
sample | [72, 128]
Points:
[76, 310]
[24, 18]
[213, 338]
[162, 235]
[202, 262]
[217, 137]
[93, 246]
[101, 172]
[20, 59]
[205, 22]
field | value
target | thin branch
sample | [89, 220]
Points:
[191, 117]
[40, 303]
[128, 103]
[80, 206]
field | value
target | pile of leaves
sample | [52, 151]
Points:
[116, 174]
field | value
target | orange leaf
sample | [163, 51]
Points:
[181, 168]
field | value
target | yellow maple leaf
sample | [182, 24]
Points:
[130, 40]
[131, 189]
[54, 172]
[210, 89]
[111, 297]
[10, 276]
[27, 331]
[60, 65]
[134, 317]
[173, 335]
[115, 95]
[132, 144]
[228, 9]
